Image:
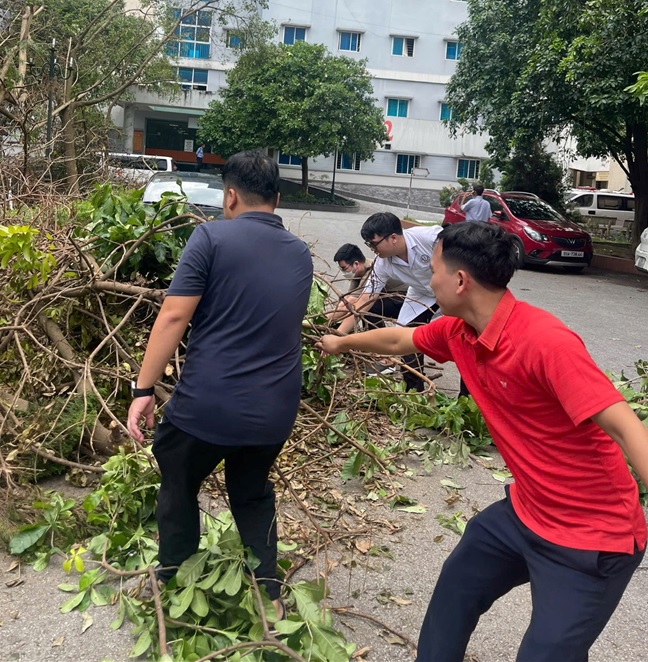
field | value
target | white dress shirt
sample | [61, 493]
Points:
[415, 273]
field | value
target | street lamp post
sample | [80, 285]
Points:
[53, 71]
[414, 172]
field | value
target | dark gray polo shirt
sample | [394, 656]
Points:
[241, 382]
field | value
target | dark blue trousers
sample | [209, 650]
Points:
[184, 463]
[574, 592]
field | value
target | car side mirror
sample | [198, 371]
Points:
[499, 214]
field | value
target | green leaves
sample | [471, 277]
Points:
[27, 537]
[191, 569]
[28, 265]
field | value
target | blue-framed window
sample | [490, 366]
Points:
[293, 34]
[453, 50]
[349, 41]
[405, 163]
[289, 159]
[192, 37]
[446, 111]
[348, 161]
[397, 107]
[468, 168]
[233, 39]
[403, 46]
[193, 79]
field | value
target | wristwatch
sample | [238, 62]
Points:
[141, 392]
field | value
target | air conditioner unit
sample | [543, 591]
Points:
[387, 146]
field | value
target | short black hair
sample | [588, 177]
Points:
[254, 175]
[484, 250]
[478, 189]
[382, 224]
[349, 253]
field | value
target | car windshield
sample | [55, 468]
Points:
[206, 193]
[532, 209]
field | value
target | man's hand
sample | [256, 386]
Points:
[141, 408]
[330, 344]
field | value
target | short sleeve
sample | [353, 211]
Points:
[377, 278]
[564, 367]
[190, 278]
[468, 205]
[432, 339]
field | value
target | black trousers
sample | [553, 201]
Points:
[185, 462]
[416, 361]
[386, 306]
[574, 592]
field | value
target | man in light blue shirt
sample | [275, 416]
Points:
[477, 209]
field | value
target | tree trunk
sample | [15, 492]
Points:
[638, 176]
[69, 147]
[304, 166]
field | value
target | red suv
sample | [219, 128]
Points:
[542, 235]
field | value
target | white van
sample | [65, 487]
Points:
[136, 169]
[605, 204]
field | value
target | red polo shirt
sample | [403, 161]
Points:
[537, 388]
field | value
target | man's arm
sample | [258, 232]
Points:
[395, 340]
[622, 424]
[167, 332]
[468, 205]
[364, 301]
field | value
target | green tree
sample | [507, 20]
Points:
[299, 99]
[537, 69]
[104, 48]
[534, 170]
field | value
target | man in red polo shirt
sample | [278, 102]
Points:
[571, 523]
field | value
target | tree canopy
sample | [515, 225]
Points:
[299, 99]
[536, 69]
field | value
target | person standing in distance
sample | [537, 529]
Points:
[477, 209]
[571, 524]
[244, 284]
[200, 153]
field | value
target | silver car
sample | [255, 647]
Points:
[204, 191]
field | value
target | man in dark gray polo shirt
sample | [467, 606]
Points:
[244, 284]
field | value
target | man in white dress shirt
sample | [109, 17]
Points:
[477, 209]
[403, 255]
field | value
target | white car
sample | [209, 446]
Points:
[641, 254]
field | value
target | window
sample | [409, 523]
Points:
[468, 168]
[446, 111]
[233, 39]
[168, 134]
[405, 163]
[348, 161]
[403, 46]
[349, 41]
[453, 50]
[192, 37]
[289, 159]
[293, 34]
[609, 202]
[397, 107]
[193, 79]
[583, 200]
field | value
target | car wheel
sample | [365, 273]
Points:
[573, 270]
[519, 251]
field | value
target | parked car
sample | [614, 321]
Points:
[542, 236]
[136, 169]
[204, 191]
[608, 204]
[641, 254]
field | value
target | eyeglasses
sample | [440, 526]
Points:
[374, 244]
[347, 268]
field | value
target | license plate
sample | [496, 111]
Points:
[572, 253]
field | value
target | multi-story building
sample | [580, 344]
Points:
[411, 52]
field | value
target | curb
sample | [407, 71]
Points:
[620, 265]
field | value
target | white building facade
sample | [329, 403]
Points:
[411, 52]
